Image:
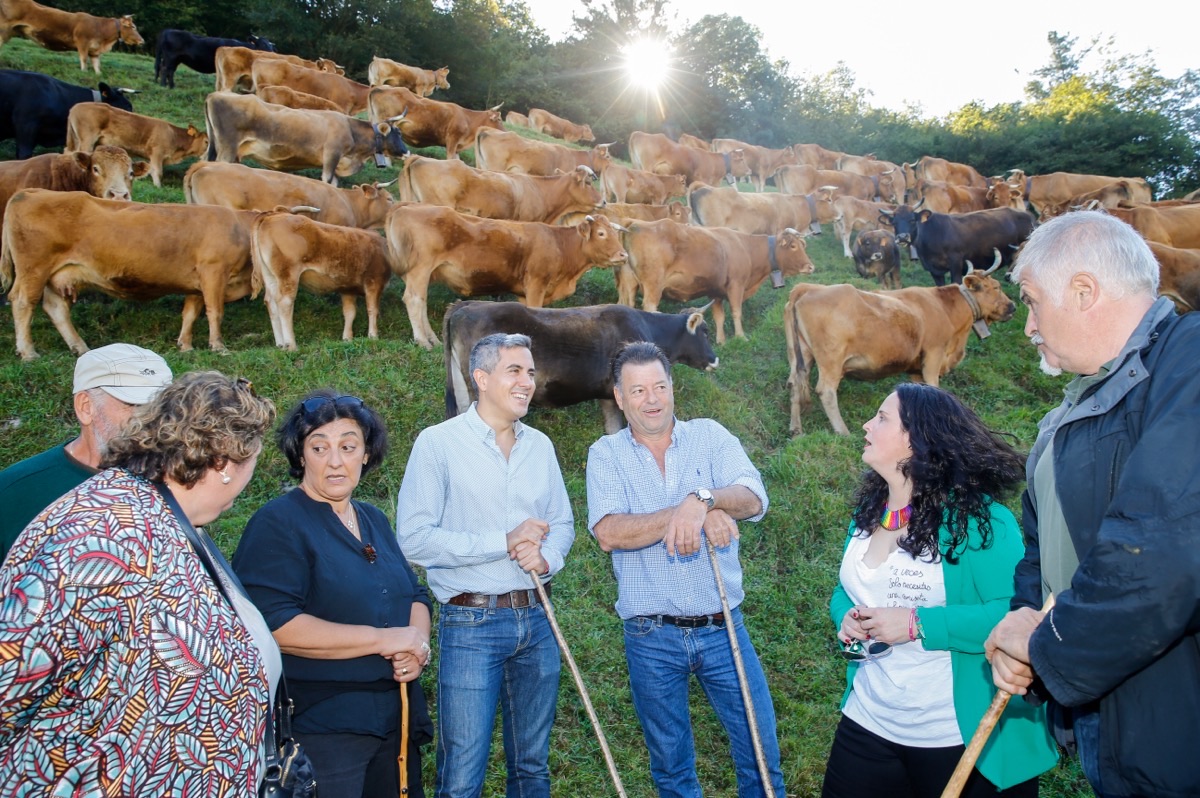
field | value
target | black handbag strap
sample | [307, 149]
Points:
[226, 580]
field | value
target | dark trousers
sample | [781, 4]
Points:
[361, 765]
[863, 763]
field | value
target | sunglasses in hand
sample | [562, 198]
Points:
[864, 650]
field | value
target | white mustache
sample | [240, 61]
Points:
[1036, 339]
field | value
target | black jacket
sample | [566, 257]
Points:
[1126, 636]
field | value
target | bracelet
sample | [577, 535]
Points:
[912, 624]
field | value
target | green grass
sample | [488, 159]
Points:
[790, 558]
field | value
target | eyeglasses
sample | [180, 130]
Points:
[865, 650]
[311, 406]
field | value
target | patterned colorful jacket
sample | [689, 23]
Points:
[123, 670]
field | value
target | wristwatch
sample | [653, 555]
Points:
[704, 495]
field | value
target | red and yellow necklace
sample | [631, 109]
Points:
[894, 519]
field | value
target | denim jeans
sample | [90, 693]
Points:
[661, 658]
[489, 655]
[1087, 745]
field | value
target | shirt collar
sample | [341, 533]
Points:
[1161, 308]
[627, 435]
[484, 430]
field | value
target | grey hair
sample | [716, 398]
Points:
[1089, 241]
[639, 353]
[485, 354]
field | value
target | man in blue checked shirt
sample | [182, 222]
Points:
[482, 506]
[655, 490]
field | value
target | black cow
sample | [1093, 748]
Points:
[572, 348]
[177, 47]
[876, 254]
[946, 241]
[34, 107]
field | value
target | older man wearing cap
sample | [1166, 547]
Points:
[109, 382]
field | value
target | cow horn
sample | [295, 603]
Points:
[917, 207]
[388, 183]
[792, 231]
[398, 116]
[125, 90]
[995, 263]
[496, 107]
[704, 308]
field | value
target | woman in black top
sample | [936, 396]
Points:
[341, 600]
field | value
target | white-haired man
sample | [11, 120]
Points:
[1111, 514]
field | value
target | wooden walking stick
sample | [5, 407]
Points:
[764, 773]
[966, 764]
[402, 759]
[583, 693]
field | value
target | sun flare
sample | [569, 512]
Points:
[647, 62]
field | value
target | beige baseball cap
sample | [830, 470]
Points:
[127, 372]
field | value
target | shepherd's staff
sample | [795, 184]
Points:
[583, 693]
[966, 764]
[402, 759]
[751, 717]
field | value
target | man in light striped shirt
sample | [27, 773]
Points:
[482, 507]
[655, 491]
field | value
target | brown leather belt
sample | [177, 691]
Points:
[514, 600]
[691, 621]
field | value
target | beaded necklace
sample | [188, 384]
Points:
[894, 519]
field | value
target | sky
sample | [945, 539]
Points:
[940, 54]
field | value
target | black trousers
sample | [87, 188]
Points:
[862, 763]
[361, 765]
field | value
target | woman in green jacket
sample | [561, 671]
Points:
[927, 572]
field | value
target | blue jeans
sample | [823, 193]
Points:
[1087, 745]
[488, 656]
[661, 658]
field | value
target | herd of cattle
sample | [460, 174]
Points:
[529, 219]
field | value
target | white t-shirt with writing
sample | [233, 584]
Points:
[907, 696]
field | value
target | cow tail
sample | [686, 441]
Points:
[448, 349]
[210, 125]
[256, 256]
[7, 269]
[695, 194]
[405, 188]
[798, 345]
[480, 158]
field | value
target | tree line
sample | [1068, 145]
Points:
[1121, 118]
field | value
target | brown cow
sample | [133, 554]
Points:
[761, 214]
[241, 125]
[763, 161]
[386, 72]
[656, 153]
[1176, 226]
[1057, 188]
[940, 170]
[290, 98]
[950, 198]
[107, 172]
[505, 151]
[637, 186]
[516, 119]
[805, 179]
[290, 251]
[877, 255]
[1192, 196]
[817, 156]
[1178, 275]
[851, 213]
[497, 195]
[1002, 194]
[688, 140]
[866, 335]
[543, 121]
[683, 262]
[243, 188]
[622, 212]
[538, 262]
[233, 65]
[63, 31]
[57, 244]
[348, 95]
[889, 178]
[158, 141]
[430, 123]
[1120, 194]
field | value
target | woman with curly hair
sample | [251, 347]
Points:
[926, 573]
[124, 670]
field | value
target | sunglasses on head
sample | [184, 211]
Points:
[311, 406]
[864, 650]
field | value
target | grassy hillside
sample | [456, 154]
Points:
[790, 557]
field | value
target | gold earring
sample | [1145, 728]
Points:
[225, 478]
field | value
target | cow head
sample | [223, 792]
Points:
[695, 350]
[874, 252]
[994, 305]
[891, 186]
[602, 156]
[904, 221]
[791, 253]
[679, 212]
[262, 43]
[199, 141]
[128, 32]
[583, 187]
[602, 241]
[376, 202]
[115, 97]
[736, 164]
[388, 141]
[440, 78]
[330, 66]
[110, 171]
[586, 134]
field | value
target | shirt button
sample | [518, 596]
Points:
[386, 624]
[385, 590]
